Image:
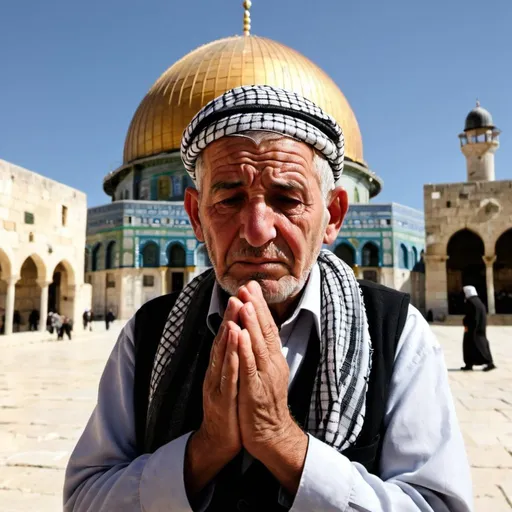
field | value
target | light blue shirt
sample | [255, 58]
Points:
[424, 466]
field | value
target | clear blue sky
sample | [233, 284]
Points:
[73, 73]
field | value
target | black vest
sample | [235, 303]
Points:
[177, 404]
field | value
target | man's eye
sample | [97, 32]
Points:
[288, 201]
[231, 201]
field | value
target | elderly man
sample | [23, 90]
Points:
[275, 381]
[475, 346]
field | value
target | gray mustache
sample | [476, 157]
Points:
[268, 252]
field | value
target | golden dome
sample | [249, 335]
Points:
[213, 69]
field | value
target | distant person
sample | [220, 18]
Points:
[90, 315]
[87, 319]
[49, 322]
[66, 328]
[475, 346]
[57, 322]
[16, 321]
[109, 319]
[33, 320]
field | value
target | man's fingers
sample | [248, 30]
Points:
[232, 310]
[229, 377]
[252, 293]
[248, 368]
[217, 353]
[252, 326]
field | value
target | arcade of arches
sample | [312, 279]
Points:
[26, 298]
[491, 274]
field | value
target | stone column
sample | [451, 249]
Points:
[43, 308]
[436, 286]
[489, 276]
[9, 303]
[163, 280]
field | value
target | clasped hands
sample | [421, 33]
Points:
[245, 398]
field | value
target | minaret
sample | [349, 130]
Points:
[479, 142]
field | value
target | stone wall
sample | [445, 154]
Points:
[43, 223]
[485, 208]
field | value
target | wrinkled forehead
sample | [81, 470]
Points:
[258, 149]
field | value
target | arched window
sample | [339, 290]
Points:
[202, 258]
[95, 257]
[465, 266]
[346, 253]
[414, 257]
[370, 255]
[403, 257]
[87, 257]
[150, 255]
[110, 259]
[357, 199]
[176, 256]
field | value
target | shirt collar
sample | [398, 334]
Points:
[310, 301]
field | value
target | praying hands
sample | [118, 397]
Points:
[245, 398]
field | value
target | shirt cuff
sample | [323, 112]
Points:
[327, 479]
[162, 486]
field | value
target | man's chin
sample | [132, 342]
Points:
[274, 289]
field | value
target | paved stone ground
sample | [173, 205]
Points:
[48, 389]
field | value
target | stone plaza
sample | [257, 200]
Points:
[48, 389]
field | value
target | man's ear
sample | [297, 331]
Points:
[192, 209]
[337, 207]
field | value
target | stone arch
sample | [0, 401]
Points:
[202, 257]
[503, 273]
[150, 255]
[176, 255]
[346, 253]
[110, 255]
[5, 274]
[465, 266]
[27, 296]
[96, 257]
[370, 253]
[5, 265]
[61, 292]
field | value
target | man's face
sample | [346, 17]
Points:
[262, 215]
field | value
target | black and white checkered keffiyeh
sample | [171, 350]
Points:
[339, 396]
[265, 108]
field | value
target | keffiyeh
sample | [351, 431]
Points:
[265, 108]
[338, 404]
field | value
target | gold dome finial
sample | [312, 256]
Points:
[247, 17]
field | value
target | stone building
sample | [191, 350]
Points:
[469, 228]
[42, 234]
[142, 245]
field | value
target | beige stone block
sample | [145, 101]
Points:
[40, 458]
[16, 501]
[491, 457]
[495, 504]
[484, 404]
[32, 480]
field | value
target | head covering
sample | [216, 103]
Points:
[265, 108]
[470, 291]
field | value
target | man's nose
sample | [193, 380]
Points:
[257, 223]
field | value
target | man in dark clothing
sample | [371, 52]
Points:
[109, 319]
[33, 320]
[475, 346]
[16, 320]
[67, 327]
